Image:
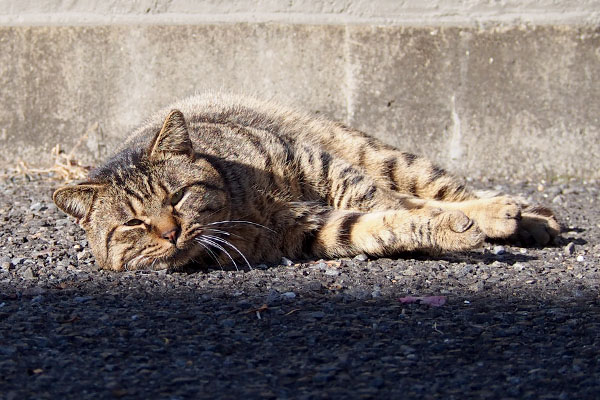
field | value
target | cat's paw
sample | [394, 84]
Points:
[498, 217]
[456, 231]
[538, 226]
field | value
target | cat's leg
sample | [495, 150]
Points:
[497, 216]
[382, 233]
[393, 169]
[350, 187]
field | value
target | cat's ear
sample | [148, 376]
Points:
[173, 138]
[76, 200]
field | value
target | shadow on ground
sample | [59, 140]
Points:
[121, 339]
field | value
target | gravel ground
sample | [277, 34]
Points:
[520, 323]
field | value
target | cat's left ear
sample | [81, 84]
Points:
[76, 200]
[172, 139]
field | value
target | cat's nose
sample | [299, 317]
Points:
[171, 235]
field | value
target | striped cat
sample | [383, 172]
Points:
[228, 180]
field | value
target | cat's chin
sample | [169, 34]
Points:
[174, 260]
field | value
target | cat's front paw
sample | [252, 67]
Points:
[498, 217]
[538, 226]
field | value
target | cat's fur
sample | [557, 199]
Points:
[228, 180]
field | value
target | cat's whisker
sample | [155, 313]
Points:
[221, 240]
[218, 246]
[218, 231]
[210, 252]
[241, 222]
[225, 233]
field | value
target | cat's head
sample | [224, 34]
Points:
[146, 207]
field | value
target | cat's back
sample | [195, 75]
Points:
[223, 109]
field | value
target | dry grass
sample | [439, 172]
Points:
[66, 168]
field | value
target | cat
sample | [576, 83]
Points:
[230, 180]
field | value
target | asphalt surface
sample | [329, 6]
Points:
[517, 323]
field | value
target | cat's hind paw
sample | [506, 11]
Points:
[538, 226]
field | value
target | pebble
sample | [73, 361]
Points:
[569, 249]
[332, 272]
[376, 291]
[28, 273]
[227, 323]
[580, 258]
[288, 295]
[317, 314]
[82, 299]
[519, 266]
[37, 299]
[361, 257]
[286, 261]
[5, 263]
[498, 250]
[17, 261]
[37, 207]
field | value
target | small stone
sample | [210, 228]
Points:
[476, 287]
[332, 272]
[317, 314]
[5, 264]
[37, 207]
[286, 261]
[17, 261]
[288, 295]
[37, 299]
[361, 257]
[8, 350]
[82, 299]
[28, 273]
[498, 250]
[580, 258]
[376, 291]
[228, 323]
[262, 266]
[557, 200]
[518, 266]
[570, 249]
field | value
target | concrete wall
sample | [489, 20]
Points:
[469, 83]
[413, 12]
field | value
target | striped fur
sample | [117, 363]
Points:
[230, 180]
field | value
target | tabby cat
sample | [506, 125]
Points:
[226, 180]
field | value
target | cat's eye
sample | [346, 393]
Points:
[177, 196]
[134, 222]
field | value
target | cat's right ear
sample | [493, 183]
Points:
[76, 200]
[173, 138]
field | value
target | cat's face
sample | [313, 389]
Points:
[149, 213]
